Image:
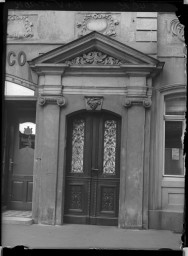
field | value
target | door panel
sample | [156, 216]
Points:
[21, 160]
[92, 174]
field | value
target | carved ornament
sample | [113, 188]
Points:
[60, 100]
[93, 102]
[129, 102]
[177, 29]
[19, 27]
[100, 22]
[93, 58]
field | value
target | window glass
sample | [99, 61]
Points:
[173, 148]
[78, 145]
[109, 161]
[12, 89]
[175, 106]
[27, 132]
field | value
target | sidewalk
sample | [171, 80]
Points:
[72, 236]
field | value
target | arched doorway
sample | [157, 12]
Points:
[92, 170]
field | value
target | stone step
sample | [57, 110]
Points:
[17, 220]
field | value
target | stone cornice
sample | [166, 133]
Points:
[48, 68]
[172, 87]
[117, 70]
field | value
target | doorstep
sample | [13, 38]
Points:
[17, 217]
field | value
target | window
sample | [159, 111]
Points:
[174, 122]
[12, 89]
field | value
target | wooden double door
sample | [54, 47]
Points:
[92, 171]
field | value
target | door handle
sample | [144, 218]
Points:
[96, 170]
[10, 164]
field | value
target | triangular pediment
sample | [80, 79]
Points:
[95, 49]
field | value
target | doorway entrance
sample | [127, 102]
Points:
[92, 171]
[20, 158]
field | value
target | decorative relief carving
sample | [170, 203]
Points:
[109, 159]
[108, 201]
[93, 103]
[78, 146]
[100, 22]
[76, 197]
[19, 27]
[94, 58]
[136, 101]
[177, 29]
[60, 100]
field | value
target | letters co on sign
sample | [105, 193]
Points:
[20, 58]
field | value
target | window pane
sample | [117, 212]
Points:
[27, 132]
[12, 89]
[173, 148]
[78, 146]
[175, 106]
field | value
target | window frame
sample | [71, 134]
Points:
[172, 95]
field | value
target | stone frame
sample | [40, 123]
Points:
[134, 163]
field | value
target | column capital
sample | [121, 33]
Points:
[129, 101]
[55, 99]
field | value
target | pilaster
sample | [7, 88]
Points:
[135, 158]
[50, 101]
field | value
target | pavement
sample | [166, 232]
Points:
[75, 236]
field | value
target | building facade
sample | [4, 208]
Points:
[94, 118]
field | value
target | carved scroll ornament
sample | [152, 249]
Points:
[100, 22]
[93, 103]
[177, 29]
[19, 27]
[60, 101]
[93, 58]
[129, 102]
